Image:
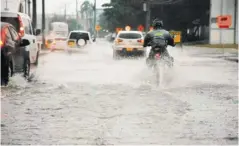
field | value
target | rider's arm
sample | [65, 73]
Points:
[147, 40]
[170, 39]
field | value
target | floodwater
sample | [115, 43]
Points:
[86, 97]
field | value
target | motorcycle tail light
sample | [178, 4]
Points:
[157, 56]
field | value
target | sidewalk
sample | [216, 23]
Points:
[44, 52]
[229, 54]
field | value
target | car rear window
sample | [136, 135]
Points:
[130, 35]
[12, 20]
[79, 35]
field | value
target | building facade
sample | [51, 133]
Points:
[223, 36]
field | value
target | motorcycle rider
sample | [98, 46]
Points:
[158, 38]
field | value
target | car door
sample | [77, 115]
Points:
[32, 48]
[10, 44]
[15, 37]
[34, 38]
[17, 56]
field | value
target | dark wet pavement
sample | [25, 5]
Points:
[89, 98]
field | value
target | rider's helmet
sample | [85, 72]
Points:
[157, 23]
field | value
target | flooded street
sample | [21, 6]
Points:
[88, 98]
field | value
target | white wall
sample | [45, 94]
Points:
[222, 36]
[237, 24]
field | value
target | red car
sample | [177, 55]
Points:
[11, 46]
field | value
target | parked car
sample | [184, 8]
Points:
[23, 25]
[77, 35]
[128, 42]
[12, 46]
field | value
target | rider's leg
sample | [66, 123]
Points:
[166, 53]
[150, 58]
[151, 54]
[169, 59]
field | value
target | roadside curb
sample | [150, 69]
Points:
[44, 53]
[228, 58]
[219, 46]
[232, 59]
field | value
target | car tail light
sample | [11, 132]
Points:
[3, 38]
[140, 41]
[1, 43]
[119, 40]
[21, 29]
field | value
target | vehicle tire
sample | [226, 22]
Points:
[6, 70]
[36, 62]
[84, 40]
[144, 54]
[26, 65]
[115, 55]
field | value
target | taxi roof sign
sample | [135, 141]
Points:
[224, 21]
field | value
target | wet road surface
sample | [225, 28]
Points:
[89, 98]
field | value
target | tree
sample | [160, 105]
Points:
[120, 13]
[87, 14]
[103, 22]
[177, 15]
[72, 24]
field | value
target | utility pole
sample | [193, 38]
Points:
[43, 24]
[29, 8]
[65, 13]
[34, 13]
[25, 6]
[94, 18]
[6, 8]
[76, 14]
[148, 12]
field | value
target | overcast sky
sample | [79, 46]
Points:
[57, 6]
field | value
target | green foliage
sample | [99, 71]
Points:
[119, 14]
[73, 24]
[87, 10]
[177, 16]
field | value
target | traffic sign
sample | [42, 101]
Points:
[141, 28]
[177, 36]
[224, 21]
[118, 29]
[97, 27]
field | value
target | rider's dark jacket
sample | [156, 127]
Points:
[158, 34]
